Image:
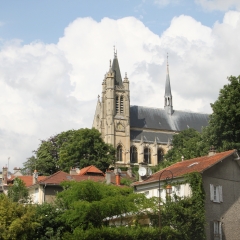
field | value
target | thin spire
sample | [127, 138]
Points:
[168, 95]
[167, 65]
[114, 51]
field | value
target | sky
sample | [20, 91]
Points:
[54, 55]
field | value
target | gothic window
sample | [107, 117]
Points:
[160, 155]
[147, 155]
[119, 153]
[121, 104]
[117, 105]
[133, 155]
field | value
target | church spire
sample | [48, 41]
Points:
[116, 69]
[168, 95]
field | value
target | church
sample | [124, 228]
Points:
[140, 134]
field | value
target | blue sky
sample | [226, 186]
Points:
[54, 54]
[45, 20]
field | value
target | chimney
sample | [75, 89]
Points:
[118, 179]
[4, 175]
[212, 151]
[35, 177]
[73, 171]
[108, 177]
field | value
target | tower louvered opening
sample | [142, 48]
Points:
[121, 105]
[117, 105]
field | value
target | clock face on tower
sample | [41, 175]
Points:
[142, 171]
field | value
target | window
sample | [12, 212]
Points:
[133, 154]
[216, 193]
[147, 155]
[160, 155]
[119, 153]
[217, 230]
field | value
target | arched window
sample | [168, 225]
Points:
[133, 155]
[119, 153]
[147, 155]
[121, 104]
[160, 155]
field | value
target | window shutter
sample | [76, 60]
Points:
[220, 194]
[211, 192]
[220, 230]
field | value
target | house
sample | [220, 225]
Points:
[221, 181]
[139, 133]
[45, 190]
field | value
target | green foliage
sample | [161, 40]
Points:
[86, 147]
[18, 192]
[50, 225]
[88, 203]
[119, 233]
[186, 215]
[126, 181]
[68, 149]
[188, 143]
[17, 221]
[223, 131]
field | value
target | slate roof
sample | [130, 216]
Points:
[159, 119]
[178, 169]
[167, 85]
[116, 70]
[148, 136]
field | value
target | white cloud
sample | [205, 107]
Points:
[164, 3]
[47, 88]
[221, 5]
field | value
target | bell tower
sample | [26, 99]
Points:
[112, 116]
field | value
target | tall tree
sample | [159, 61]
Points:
[223, 131]
[86, 147]
[189, 144]
[72, 148]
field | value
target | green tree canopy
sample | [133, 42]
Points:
[17, 221]
[72, 148]
[88, 203]
[18, 192]
[223, 131]
[189, 144]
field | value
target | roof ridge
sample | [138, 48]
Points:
[185, 111]
[48, 177]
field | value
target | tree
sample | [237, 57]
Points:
[86, 147]
[73, 148]
[86, 204]
[17, 221]
[18, 192]
[189, 144]
[223, 131]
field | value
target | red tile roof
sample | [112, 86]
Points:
[178, 169]
[56, 178]
[91, 169]
[28, 180]
[61, 176]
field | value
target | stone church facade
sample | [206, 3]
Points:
[139, 134]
